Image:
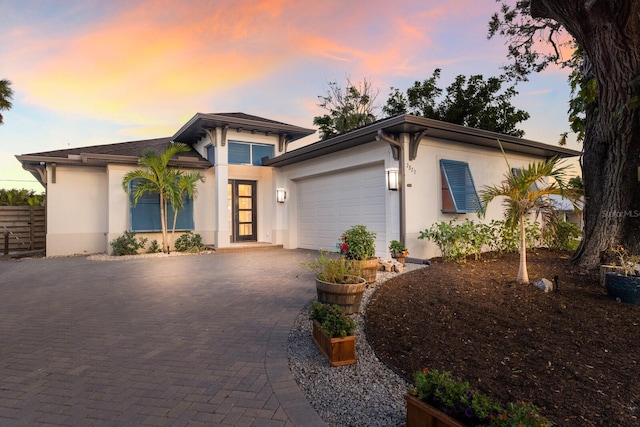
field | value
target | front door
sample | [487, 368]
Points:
[242, 199]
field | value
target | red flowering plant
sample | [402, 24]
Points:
[457, 399]
[357, 243]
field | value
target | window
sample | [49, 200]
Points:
[458, 191]
[145, 216]
[517, 172]
[211, 154]
[245, 153]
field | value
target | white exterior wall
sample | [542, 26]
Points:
[423, 186]
[286, 177]
[76, 211]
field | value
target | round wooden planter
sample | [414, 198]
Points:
[348, 296]
[369, 269]
[623, 288]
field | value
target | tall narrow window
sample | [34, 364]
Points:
[211, 154]
[458, 191]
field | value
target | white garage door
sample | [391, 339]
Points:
[329, 204]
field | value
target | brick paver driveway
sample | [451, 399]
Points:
[197, 340]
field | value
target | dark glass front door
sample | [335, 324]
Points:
[242, 199]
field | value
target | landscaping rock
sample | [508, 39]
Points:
[544, 285]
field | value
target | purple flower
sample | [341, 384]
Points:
[468, 413]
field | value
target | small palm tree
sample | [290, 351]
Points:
[156, 177]
[187, 186]
[524, 193]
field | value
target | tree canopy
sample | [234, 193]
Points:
[348, 108]
[6, 95]
[606, 95]
[470, 101]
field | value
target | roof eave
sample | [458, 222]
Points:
[434, 128]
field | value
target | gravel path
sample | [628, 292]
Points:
[364, 394]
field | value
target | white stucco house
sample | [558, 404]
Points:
[256, 190]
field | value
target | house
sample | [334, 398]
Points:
[397, 175]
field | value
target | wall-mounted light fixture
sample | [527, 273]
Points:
[393, 179]
[281, 195]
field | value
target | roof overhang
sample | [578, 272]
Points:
[195, 129]
[36, 163]
[414, 125]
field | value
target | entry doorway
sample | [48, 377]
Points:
[242, 215]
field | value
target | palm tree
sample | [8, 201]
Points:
[187, 186]
[524, 192]
[156, 177]
[6, 94]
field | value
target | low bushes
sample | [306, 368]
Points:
[459, 240]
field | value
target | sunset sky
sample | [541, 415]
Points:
[96, 72]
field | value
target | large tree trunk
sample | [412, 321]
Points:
[609, 33]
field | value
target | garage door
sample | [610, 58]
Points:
[329, 204]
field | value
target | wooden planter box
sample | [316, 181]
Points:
[338, 351]
[420, 414]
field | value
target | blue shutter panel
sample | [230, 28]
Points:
[145, 216]
[460, 186]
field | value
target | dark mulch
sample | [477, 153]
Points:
[574, 353]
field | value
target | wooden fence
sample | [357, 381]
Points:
[22, 228]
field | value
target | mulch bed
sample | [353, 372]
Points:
[574, 353]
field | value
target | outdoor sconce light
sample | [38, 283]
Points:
[281, 195]
[393, 179]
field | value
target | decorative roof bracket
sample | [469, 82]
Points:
[282, 142]
[212, 134]
[414, 143]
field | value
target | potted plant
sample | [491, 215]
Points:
[333, 333]
[624, 286]
[398, 251]
[358, 245]
[338, 281]
[440, 399]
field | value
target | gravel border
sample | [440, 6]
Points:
[367, 393]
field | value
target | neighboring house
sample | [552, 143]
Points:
[257, 191]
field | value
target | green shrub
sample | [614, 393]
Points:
[460, 401]
[189, 242]
[154, 247]
[127, 244]
[562, 235]
[457, 241]
[333, 321]
[357, 243]
[505, 238]
[334, 269]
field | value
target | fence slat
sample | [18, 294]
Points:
[26, 227]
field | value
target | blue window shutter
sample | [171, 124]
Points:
[145, 216]
[460, 186]
[185, 216]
